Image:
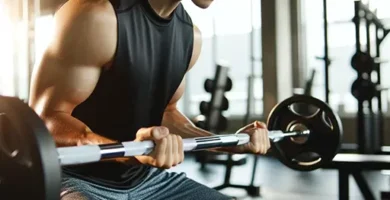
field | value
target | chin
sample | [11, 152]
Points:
[203, 3]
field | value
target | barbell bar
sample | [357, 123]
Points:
[93, 153]
[28, 152]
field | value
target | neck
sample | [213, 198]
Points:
[164, 8]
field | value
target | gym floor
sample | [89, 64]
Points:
[279, 182]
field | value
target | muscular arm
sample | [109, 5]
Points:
[83, 43]
[173, 119]
[178, 123]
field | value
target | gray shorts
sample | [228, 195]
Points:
[159, 184]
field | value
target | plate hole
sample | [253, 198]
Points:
[304, 109]
[327, 120]
[307, 158]
[298, 127]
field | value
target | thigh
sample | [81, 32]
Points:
[173, 186]
[77, 189]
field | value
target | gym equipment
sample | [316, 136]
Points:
[209, 85]
[367, 62]
[214, 120]
[354, 165]
[306, 153]
[364, 89]
[28, 153]
[362, 62]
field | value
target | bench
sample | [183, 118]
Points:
[354, 164]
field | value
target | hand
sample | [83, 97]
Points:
[259, 140]
[168, 151]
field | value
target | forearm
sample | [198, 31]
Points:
[69, 131]
[179, 124]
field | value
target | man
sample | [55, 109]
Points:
[114, 72]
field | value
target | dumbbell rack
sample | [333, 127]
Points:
[364, 89]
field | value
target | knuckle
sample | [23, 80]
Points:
[163, 129]
[159, 164]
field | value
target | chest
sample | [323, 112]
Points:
[152, 50]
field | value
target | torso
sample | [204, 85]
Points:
[152, 57]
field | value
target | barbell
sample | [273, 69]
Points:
[304, 131]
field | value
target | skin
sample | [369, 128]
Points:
[69, 70]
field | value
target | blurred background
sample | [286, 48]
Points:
[233, 33]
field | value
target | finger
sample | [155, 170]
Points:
[152, 133]
[168, 153]
[268, 140]
[262, 145]
[259, 124]
[175, 150]
[246, 128]
[144, 133]
[269, 143]
[159, 152]
[265, 140]
[256, 141]
[181, 149]
[160, 132]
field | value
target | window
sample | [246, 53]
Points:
[227, 38]
[341, 40]
[13, 50]
[7, 71]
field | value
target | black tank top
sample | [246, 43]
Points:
[151, 59]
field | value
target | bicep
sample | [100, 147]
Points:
[70, 68]
[58, 86]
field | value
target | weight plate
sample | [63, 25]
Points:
[28, 155]
[362, 62]
[204, 108]
[323, 143]
[209, 85]
[229, 84]
[363, 89]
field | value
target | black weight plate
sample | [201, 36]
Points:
[324, 140]
[204, 108]
[225, 104]
[362, 62]
[363, 89]
[29, 162]
[229, 84]
[209, 85]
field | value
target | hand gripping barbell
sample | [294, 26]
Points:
[304, 131]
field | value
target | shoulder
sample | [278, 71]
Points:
[87, 9]
[85, 14]
[82, 27]
[183, 16]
